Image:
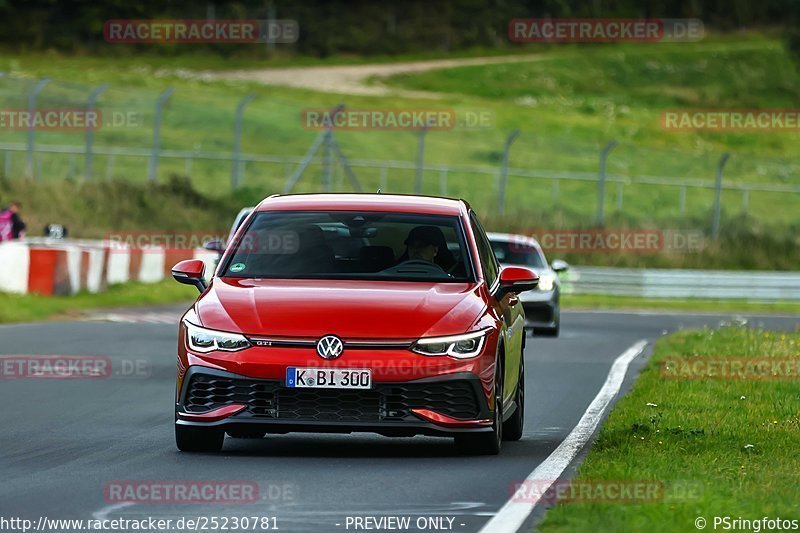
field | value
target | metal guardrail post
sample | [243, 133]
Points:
[153, 168]
[29, 170]
[718, 197]
[501, 192]
[236, 168]
[601, 182]
[90, 102]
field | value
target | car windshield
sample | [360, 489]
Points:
[517, 253]
[351, 245]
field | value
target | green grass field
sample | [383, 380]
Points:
[601, 301]
[568, 102]
[733, 443]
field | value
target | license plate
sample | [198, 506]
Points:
[329, 378]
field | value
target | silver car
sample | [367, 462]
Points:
[542, 305]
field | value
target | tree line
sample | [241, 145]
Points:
[359, 27]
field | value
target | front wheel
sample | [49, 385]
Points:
[198, 439]
[512, 428]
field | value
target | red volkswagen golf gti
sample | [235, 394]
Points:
[354, 312]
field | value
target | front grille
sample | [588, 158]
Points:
[385, 402]
[538, 313]
[455, 399]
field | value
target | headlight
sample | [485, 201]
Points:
[546, 282]
[458, 346]
[207, 340]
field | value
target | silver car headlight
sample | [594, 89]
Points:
[462, 346]
[205, 340]
[546, 282]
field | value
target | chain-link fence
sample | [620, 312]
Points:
[222, 140]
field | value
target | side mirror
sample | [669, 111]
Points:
[559, 266]
[516, 280]
[215, 245]
[191, 272]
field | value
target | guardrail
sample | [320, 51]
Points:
[668, 283]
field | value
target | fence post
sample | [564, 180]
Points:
[682, 200]
[443, 181]
[554, 191]
[326, 160]
[29, 170]
[327, 150]
[501, 193]
[718, 197]
[236, 170]
[153, 169]
[420, 159]
[601, 182]
[620, 187]
[90, 131]
[745, 200]
[8, 164]
[110, 167]
[384, 178]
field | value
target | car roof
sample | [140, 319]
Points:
[400, 203]
[515, 238]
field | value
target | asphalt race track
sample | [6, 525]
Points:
[64, 440]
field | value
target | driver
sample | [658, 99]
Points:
[423, 243]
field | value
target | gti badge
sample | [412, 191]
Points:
[330, 347]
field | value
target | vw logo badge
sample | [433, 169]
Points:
[330, 347]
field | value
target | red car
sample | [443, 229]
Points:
[354, 312]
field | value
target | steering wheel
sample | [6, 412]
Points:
[415, 262]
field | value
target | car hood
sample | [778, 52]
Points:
[347, 308]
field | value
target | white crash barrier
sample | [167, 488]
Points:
[62, 267]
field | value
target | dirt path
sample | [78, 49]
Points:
[355, 79]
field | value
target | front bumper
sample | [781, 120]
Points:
[542, 310]
[441, 406]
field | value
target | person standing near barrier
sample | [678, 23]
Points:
[11, 225]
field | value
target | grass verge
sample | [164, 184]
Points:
[31, 308]
[602, 301]
[734, 442]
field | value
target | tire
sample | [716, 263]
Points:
[195, 439]
[513, 427]
[486, 443]
[246, 433]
